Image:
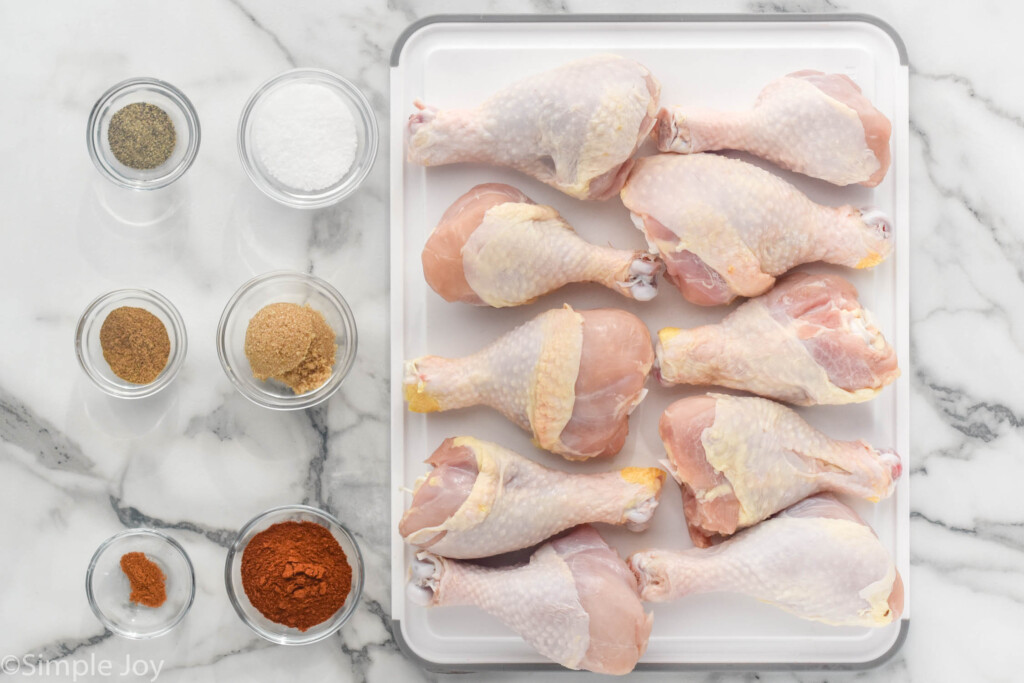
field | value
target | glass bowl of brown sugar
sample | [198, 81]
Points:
[304, 554]
[286, 340]
[140, 583]
[143, 134]
[131, 342]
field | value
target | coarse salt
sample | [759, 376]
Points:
[304, 135]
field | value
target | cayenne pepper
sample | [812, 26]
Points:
[146, 579]
[296, 574]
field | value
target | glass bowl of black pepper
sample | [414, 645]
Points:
[313, 572]
[143, 134]
[131, 342]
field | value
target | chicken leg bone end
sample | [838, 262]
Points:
[875, 218]
[424, 579]
[652, 582]
[671, 133]
[892, 460]
[642, 284]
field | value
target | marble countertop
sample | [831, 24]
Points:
[199, 460]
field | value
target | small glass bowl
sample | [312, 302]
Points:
[108, 588]
[178, 108]
[272, 631]
[90, 354]
[366, 132]
[292, 287]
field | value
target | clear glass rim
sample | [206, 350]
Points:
[331, 195]
[174, 363]
[356, 562]
[92, 598]
[95, 143]
[341, 368]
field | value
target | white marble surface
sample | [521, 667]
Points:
[199, 460]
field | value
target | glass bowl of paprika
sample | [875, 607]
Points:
[294, 574]
[140, 583]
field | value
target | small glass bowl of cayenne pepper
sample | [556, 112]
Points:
[140, 583]
[294, 574]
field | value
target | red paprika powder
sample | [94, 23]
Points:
[296, 574]
[146, 579]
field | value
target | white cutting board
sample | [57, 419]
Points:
[711, 61]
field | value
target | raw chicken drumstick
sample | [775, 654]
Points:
[575, 602]
[482, 500]
[569, 378]
[740, 460]
[817, 560]
[575, 127]
[807, 341]
[726, 228]
[494, 246]
[810, 122]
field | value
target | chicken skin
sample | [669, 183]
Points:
[575, 127]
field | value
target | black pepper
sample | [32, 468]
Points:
[141, 135]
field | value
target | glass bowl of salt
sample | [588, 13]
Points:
[307, 138]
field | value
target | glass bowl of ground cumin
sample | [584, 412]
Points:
[143, 134]
[140, 583]
[286, 340]
[131, 342]
[294, 574]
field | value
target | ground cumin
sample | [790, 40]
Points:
[291, 343]
[146, 578]
[135, 344]
[296, 574]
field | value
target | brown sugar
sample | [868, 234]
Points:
[315, 369]
[135, 344]
[277, 339]
[291, 343]
[147, 580]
